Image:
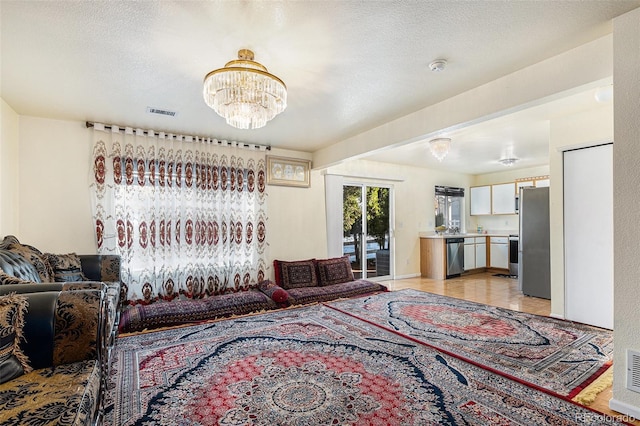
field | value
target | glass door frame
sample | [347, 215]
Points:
[364, 230]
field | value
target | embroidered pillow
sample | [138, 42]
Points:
[36, 258]
[66, 267]
[13, 362]
[296, 274]
[334, 271]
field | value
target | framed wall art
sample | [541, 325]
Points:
[288, 171]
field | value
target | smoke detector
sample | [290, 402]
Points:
[438, 65]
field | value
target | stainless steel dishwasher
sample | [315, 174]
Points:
[455, 257]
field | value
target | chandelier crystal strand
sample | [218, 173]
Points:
[508, 161]
[244, 93]
[439, 147]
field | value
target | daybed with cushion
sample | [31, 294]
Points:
[300, 283]
[51, 366]
[177, 312]
[320, 280]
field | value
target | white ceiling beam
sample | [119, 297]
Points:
[562, 75]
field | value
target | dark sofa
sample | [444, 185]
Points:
[24, 264]
[71, 310]
[54, 372]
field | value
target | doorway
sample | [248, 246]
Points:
[366, 218]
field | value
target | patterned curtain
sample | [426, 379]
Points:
[187, 215]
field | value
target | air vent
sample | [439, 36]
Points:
[633, 370]
[159, 111]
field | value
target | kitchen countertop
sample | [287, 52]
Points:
[467, 235]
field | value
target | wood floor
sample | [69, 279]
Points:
[496, 291]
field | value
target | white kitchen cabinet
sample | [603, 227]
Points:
[469, 256]
[475, 253]
[480, 200]
[523, 184]
[499, 252]
[540, 183]
[503, 200]
[481, 254]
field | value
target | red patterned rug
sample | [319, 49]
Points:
[555, 355]
[313, 366]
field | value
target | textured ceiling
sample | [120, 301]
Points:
[349, 65]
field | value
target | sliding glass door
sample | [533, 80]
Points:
[366, 229]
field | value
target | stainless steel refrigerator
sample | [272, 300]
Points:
[534, 275]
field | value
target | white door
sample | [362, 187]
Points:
[588, 235]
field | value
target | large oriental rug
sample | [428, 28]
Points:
[314, 366]
[555, 355]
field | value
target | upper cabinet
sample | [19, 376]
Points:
[523, 184]
[480, 200]
[503, 200]
[493, 199]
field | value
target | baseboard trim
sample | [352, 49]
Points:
[626, 409]
[402, 277]
[552, 315]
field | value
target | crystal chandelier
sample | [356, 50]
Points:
[244, 93]
[440, 147]
[508, 161]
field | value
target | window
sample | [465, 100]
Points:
[449, 207]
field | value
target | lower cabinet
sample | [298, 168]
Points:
[481, 253]
[475, 253]
[433, 255]
[433, 258]
[469, 254]
[499, 252]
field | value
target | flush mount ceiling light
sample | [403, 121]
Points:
[604, 94]
[439, 147]
[508, 161]
[244, 93]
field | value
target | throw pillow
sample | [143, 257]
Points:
[296, 274]
[66, 267]
[36, 258]
[10, 279]
[334, 271]
[13, 362]
[274, 291]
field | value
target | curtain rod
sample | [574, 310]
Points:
[197, 138]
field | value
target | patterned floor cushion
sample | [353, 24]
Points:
[301, 296]
[163, 314]
[62, 395]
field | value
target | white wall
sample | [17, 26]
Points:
[414, 210]
[573, 131]
[55, 207]
[626, 199]
[55, 204]
[8, 170]
[296, 227]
